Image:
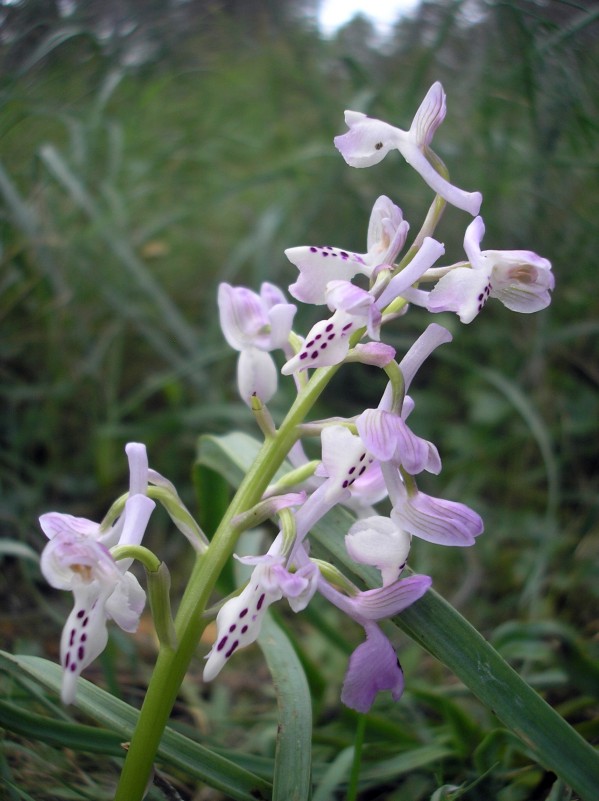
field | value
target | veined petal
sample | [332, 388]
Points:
[376, 353]
[392, 599]
[373, 667]
[377, 431]
[69, 558]
[521, 280]
[318, 266]
[437, 520]
[256, 375]
[84, 636]
[378, 542]
[429, 116]
[242, 316]
[368, 140]
[53, 523]
[326, 344]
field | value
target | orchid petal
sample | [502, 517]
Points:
[318, 266]
[138, 468]
[426, 256]
[387, 232]
[373, 667]
[430, 339]
[53, 523]
[375, 353]
[256, 375]
[326, 344]
[126, 603]
[521, 280]
[368, 140]
[238, 623]
[437, 520]
[377, 541]
[429, 116]
[344, 458]
[84, 636]
[242, 315]
[463, 290]
[391, 599]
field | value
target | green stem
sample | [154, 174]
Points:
[352, 790]
[172, 664]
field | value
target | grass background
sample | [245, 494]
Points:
[150, 151]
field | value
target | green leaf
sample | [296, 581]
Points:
[443, 632]
[175, 749]
[292, 771]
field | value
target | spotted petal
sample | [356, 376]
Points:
[326, 344]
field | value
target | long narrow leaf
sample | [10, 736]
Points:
[175, 749]
[292, 773]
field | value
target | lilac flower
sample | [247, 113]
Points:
[520, 279]
[387, 231]
[328, 341]
[239, 620]
[369, 140]
[77, 558]
[254, 325]
[373, 666]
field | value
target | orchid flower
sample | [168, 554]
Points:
[328, 341]
[239, 620]
[77, 558]
[369, 140]
[520, 279]
[254, 325]
[374, 666]
[387, 231]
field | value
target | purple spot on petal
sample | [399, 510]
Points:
[231, 649]
[83, 638]
[314, 354]
[243, 613]
[67, 659]
[310, 343]
[73, 667]
[81, 652]
[362, 470]
[347, 326]
[329, 327]
[345, 484]
[303, 355]
[260, 601]
[318, 336]
[222, 644]
[313, 250]
[72, 637]
[323, 346]
[80, 613]
[244, 629]
[232, 628]
[352, 470]
[330, 337]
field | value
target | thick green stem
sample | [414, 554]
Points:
[172, 664]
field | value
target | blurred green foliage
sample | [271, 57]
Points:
[151, 150]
